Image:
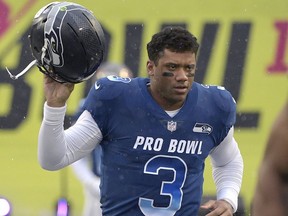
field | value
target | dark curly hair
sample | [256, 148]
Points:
[175, 39]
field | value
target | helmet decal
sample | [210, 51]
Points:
[52, 51]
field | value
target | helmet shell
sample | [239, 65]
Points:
[67, 41]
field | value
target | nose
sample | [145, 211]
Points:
[181, 75]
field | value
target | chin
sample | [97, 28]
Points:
[179, 99]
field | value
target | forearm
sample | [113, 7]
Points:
[227, 164]
[58, 148]
[228, 180]
[51, 142]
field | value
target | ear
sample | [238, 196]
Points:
[150, 67]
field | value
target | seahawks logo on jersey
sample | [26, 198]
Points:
[202, 128]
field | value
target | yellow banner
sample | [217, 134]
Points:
[244, 47]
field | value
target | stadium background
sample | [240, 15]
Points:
[243, 47]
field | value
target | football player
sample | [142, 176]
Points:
[155, 133]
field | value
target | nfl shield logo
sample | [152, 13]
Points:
[171, 126]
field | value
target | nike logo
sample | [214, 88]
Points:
[97, 86]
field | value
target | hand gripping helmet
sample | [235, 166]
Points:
[67, 42]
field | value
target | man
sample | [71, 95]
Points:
[271, 189]
[88, 169]
[155, 134]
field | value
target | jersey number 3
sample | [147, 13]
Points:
[169, 188]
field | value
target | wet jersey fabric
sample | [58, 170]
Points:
[153, 164]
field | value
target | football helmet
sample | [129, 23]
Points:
[67, 42]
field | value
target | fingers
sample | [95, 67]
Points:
[219, 207]
[47, 79]
[70, 86]
[208, 204]
[56, 93]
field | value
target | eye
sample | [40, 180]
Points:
[190, 68]
[171, 67]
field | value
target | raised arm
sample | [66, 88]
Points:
[57, 147]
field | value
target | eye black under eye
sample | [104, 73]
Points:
[190, 74]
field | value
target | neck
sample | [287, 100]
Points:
[163, 102]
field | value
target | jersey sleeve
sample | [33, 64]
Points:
[103, 98]
[225, 104]
[225, 111]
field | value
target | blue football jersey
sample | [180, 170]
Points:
[153, 164]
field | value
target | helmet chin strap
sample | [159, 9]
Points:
[22, 72]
